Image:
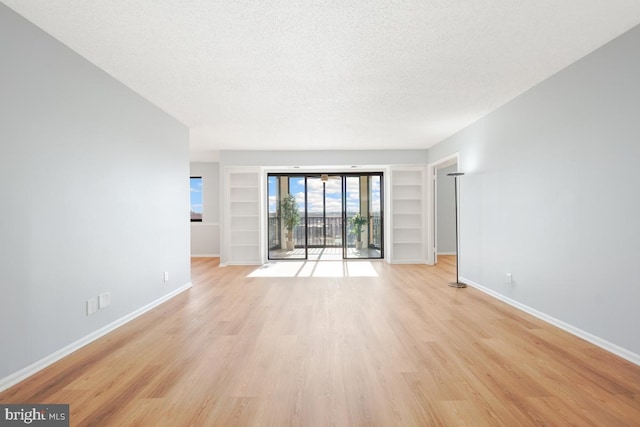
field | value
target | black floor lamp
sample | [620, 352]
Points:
[455, 176]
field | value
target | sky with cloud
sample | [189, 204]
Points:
[333, 195]
[196, 195]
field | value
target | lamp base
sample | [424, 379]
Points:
[457, 285]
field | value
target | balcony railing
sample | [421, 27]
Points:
[325, 232]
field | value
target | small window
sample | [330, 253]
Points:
[196, 199]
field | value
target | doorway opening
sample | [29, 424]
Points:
[440, 215]
[328, 216]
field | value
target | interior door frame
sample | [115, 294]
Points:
[432, 200]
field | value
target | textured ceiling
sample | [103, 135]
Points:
[330, 74]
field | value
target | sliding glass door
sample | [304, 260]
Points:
[325, 216]
[362, 207]
[287, 236]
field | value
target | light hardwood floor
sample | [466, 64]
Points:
[399, 349]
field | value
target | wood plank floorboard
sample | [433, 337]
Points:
[393, 347]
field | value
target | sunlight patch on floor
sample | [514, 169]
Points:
[316, 269]
[360, 269]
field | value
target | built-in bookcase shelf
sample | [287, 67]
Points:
[408, 215]
[242, 219]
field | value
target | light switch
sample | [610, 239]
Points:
[104, 300]
[92, 306]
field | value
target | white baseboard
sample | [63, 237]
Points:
[26, 372]
[446, 253]
[205, 255]
[602, 343]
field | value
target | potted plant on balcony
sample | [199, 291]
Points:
[357, 221]
[290, 218]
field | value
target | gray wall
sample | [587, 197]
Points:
[94, 196]
[446, 225]
[551, 195]
[205, 235]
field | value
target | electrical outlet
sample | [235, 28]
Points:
[104, 300]
[509, 279]
[92, 306]
[166, 276]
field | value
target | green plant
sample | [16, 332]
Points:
[290, 214]
[357, 221]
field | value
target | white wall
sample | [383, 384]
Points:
[446, 223]
[551, 195]
[322, 158]
[205, 235]
[334, 160]
[93, 192]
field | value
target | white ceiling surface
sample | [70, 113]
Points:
[330, 74]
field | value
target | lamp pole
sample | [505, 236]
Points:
[455, 176]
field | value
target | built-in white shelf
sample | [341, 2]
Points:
[242, 219]
[407, 192]
[408, 196]
[248, 194]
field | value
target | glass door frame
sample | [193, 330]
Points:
[279, 225]
[328, 177]
[344, 214]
